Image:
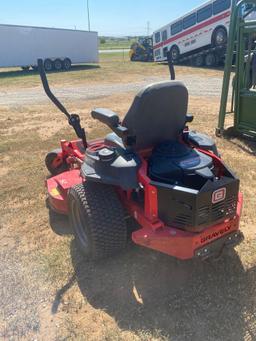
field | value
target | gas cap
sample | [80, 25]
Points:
[106, 154]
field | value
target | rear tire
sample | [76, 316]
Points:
[175, 54]
[67, 64]
[48, 65]
[98, 220]
[54, 163]
[220, 37]
[57, 65]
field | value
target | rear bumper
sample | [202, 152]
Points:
[186, 245]
[215, 248]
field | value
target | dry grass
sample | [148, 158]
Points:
[48, 292]
[112, 68]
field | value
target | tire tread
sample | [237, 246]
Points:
[104, 216]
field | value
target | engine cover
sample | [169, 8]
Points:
[174, 163]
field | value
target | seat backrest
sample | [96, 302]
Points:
[158, 114]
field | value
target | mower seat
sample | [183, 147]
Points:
[157, 114]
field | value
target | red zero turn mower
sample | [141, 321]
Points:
[151, 168]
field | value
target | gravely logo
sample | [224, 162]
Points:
[219, 195]
[215, 235]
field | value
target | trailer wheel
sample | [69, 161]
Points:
[198, 61]
[54, 162]
[57, 64]
[175, 54]
[210, 60]
[67, 64]
[98, 220]
[219, 37]
[48, 65]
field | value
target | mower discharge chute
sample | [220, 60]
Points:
[151, 168]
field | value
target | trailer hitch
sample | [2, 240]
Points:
[73, 119]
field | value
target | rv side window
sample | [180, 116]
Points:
[157, 37]
[189, 21]
[221, 6]
[176, 28]
[204, 13]
[164, 35]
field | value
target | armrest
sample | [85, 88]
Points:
[111, 119]
[106, 116]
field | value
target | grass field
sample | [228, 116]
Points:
[114, 67]
[48, 291]
[115, 44]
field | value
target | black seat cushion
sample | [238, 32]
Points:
[158, 114]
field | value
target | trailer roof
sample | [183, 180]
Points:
[47, 28]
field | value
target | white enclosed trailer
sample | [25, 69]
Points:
[21, 46]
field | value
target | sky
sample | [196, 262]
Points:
[108, 17]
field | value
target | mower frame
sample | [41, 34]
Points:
[152, 232]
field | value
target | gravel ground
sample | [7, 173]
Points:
[20, 295]
[201, 86]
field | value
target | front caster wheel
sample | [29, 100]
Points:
[55, 163]
[97, 219]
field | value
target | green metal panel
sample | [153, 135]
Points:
[247, 118]
[244, 103]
